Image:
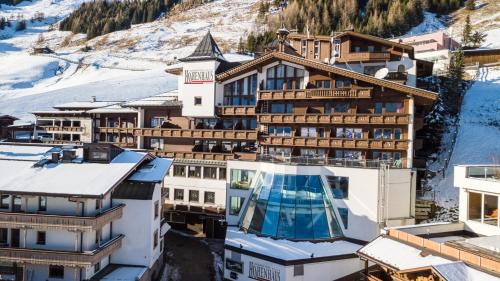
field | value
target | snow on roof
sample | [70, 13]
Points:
[154, 171]
[113, 109]
[125, 273]
[286, 249]
[457, 271]
[23, 152]
[398, 255]
[83, 179]
[86, 104]
[63, 112]
[165, 99]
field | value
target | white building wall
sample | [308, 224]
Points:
[206, 90]
[41, 273]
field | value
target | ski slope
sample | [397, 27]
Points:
[478, 138]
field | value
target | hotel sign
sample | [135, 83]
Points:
[198, 76]
[263, 272]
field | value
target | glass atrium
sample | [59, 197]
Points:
[293, 207]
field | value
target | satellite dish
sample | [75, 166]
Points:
[381, 73]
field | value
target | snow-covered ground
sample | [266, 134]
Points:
[478, 136]
[430, 23]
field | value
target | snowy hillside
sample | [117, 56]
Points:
[122, 65]
[478, 135]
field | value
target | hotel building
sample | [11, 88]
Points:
[466, 250]
[86, 213]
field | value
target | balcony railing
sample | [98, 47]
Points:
[62, 129]
[324, 160]
[367, 56]
[186, 133]
[336, 143]
[235, 110]
[333, 119]
[205, 155]
[491, 173]
[73, 223]
[62, 142]
[338, 93]
[64, 258]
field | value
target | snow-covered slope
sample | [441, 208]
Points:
[478, 138]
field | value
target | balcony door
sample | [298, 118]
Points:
[14, 238]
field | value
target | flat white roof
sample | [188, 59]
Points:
[125, 273]
[113, 109]
[62, 112]
[154, 171]
[286, 249]
[86, 104]
[64, 179]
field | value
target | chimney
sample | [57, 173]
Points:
[55, 157]
[68, 155]
[282, 34]
[94, 99]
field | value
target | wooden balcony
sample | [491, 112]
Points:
[63, 129]
[58, 222]
[205, 155]
[337, 93]
[333, 119]
[336, 143]
[235, 110]
[65, 258]
[62, 142]
[186, 133]
[122, 144]
[365, 56]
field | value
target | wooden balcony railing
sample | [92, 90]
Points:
[235, 110]
[333, 119]
[58, 222]
[122, 144]
[338, 93]
[366, 56]
[205, 155]
[65, 258]
[336, 143]
[63, 129]
[186, 133]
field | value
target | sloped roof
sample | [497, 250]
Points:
[207, 49]
[328, 68]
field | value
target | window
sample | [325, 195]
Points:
[235, 204]
[241, 179]
[197, 100]
[241, 92]
[178, 194]
[76, 123]
[4, 236]
[98, 237]
[387, 134]
[344, 216]
[308, 132]
[378, 108]
[157, 209]
[281, 74]
[157, 122]
[298, 270]
[377, 134]
[97, 267]
[232, 265]
[194, 172]
[155, 239]
[398, 135]
[194, 196]
[179, 171]
[56, 271]
[209, 197]
[339, 186]
[483, 208]
[5, 202]
[280, 131]
[17, 203]
[475, 206]
[394, 107]
[342, 83]
[316, 49]
[98, 204]
[303, 47]
[336, 48]
[490, 207]
[371, 49]
[98, 155]
[222, 173]
[281, 108]
[323, 84]
[357, 49]
[40, 238]
[156, 143]
[209, 172]
[342, 107]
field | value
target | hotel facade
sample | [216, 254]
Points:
[309, 147]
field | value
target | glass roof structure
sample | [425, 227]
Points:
[294, 207]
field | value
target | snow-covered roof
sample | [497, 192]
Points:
[61, 112]
[125, 273]
[75, 178]
[286, 249]
[398, 255]
[113, 109]
[165, 99]
[154, 171]
[457, 271]
[86, 104]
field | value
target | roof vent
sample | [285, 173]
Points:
[68, 155]
[55, 156]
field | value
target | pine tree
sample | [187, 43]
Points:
[251, 43]
[477, 38]
[241, 46]
[467, 32]
[21, 25]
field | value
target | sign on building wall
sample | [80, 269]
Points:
[263, 272]
[198, 76]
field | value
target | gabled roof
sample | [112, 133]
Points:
[207, 49]
[273, 56]
[375, 39]
[8, 117]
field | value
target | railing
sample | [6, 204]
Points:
[236, 110]
[205, 155]
[340, 93]
[185, 133]
[365, 56]
[396, 75]
[62, 129]
[122, 144]
[73, 223]
[62, 142]
[334, 119]
[336, 143]
[65, 258]
[484, 172]
[319, 160]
